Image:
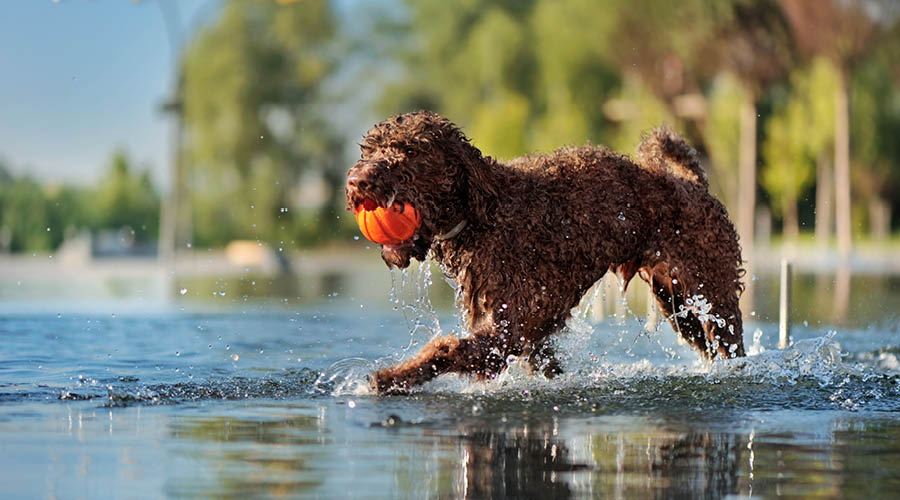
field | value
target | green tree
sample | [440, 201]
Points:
[24, 215]
[798, 135]
[843, 32]
[507, 73]
[36, 218]
[126, 199]
[875, 126]
[254, 95]
[722, 133]
[754, 44]
[789, 168]
[576, 72]
[473, 61]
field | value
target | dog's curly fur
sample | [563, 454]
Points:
[538, 231]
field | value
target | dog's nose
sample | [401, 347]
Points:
[358, 180]
[362, 175]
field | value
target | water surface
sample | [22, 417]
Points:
[270, 399]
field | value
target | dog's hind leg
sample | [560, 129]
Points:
[708, 320]
[670, 303]
[693, 259]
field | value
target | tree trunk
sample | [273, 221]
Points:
[747, 174]
[791, 229]
[879, 218]
[842, 165]
[824, 200]
[747, 194]
[176, 218]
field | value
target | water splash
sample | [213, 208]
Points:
[346, 377]
[654, 367]
[812, 373]
[409, 294]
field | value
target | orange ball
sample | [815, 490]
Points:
[387, 226]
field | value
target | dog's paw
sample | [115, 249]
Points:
[386, 385]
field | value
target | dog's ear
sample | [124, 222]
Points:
[477, 176]
[482, 189]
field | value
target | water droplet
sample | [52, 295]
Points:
[48, 229]
[674, 282]
[351, 404]
[178, 353]
[621, 216]
[227, 347]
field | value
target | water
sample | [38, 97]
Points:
[264, 400]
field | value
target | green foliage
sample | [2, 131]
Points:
[534, 75]
[875, 119]
[722, 135]
[24, 213]
[506, 72]
[38, 218]
[799, 131]
[645, 113]
[124, 198]
[253, 91]
[257, 102]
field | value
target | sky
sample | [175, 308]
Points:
[81, 78]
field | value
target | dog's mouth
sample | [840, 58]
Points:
[391, 223]
[369, 203]
[396, 225]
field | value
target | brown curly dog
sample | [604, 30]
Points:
[524, 240]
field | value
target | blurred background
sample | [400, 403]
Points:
[193, 153]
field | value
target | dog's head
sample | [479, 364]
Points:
[418, 158]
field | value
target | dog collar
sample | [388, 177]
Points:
[453, 232]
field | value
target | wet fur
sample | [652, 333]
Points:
[541, 230]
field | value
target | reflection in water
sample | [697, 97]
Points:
[250, 457]
[825, 299]
[535, 463]
[296, 455]
[841, 293]
[522, 462]
[334, 451]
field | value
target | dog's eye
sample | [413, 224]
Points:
[410, 152]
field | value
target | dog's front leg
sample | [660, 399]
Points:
[474, 355]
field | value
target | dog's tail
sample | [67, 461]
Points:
[666, 153]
